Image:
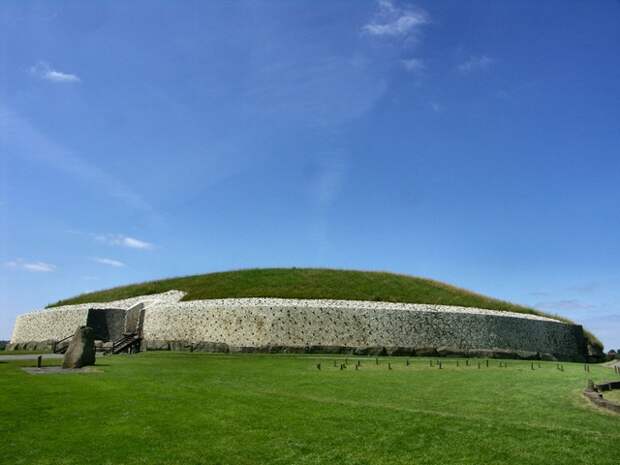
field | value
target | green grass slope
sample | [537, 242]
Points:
[311, 283]
[306, 283]
[182, 408]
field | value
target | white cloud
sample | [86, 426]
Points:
[393, 21]
[109, 262]
[413, 65]
[124, 241]
[35, 267]
[436, 107]
[475, 63]
[43, 71]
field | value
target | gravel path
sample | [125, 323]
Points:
[8, 358]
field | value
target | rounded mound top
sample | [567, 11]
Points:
[307, 283]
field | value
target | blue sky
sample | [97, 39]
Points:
[471, 142]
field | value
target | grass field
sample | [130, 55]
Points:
[306, 283]
[183, 408]
[614, 395]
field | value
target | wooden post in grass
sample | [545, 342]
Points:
[389, 366]
[318, 366]
[532, 365]
[457, 363]
[466, 362]
[39, 359]
[407, 362]
[487, 363]
[342, 366]
[440, 367]
[430, 363]
[376, 361]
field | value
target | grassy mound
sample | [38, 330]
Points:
[306, 283]
[311, 283]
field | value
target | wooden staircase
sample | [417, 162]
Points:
[128, 342]
[61, 346]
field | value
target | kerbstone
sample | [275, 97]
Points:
[81, 351]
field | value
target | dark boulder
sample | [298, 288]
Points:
[81, 351]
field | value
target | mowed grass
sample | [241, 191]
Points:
[614, 395]
[183, 408]
[306, 283]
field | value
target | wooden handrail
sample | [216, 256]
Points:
[64, 339]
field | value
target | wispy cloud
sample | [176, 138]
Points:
[585, 287]
[109, 262]
[22, 139]
[43, 71]
[394, 21]
[565, 305]
[475, 63]
[326, 177]
[35, 267]
[123, 241]
[320, 90]
[436, 107]
[413, 65]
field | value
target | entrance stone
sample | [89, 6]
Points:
[81, 351]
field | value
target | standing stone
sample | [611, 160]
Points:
[81, 351]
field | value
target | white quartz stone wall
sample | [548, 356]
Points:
[57, 323]
[260, 322]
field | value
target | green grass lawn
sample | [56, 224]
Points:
[614, 395]
[306, 283]
[183, 408]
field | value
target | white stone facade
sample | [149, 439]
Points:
[264, 324]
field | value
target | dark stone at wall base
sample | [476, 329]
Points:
[81, 351]
[180, 346]
[399, 351]
[444, 351]
[527, 355]
[209, 347]
[547, 357]
[504, 354]
[451, 352]
[157, 345]
[426, 351]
